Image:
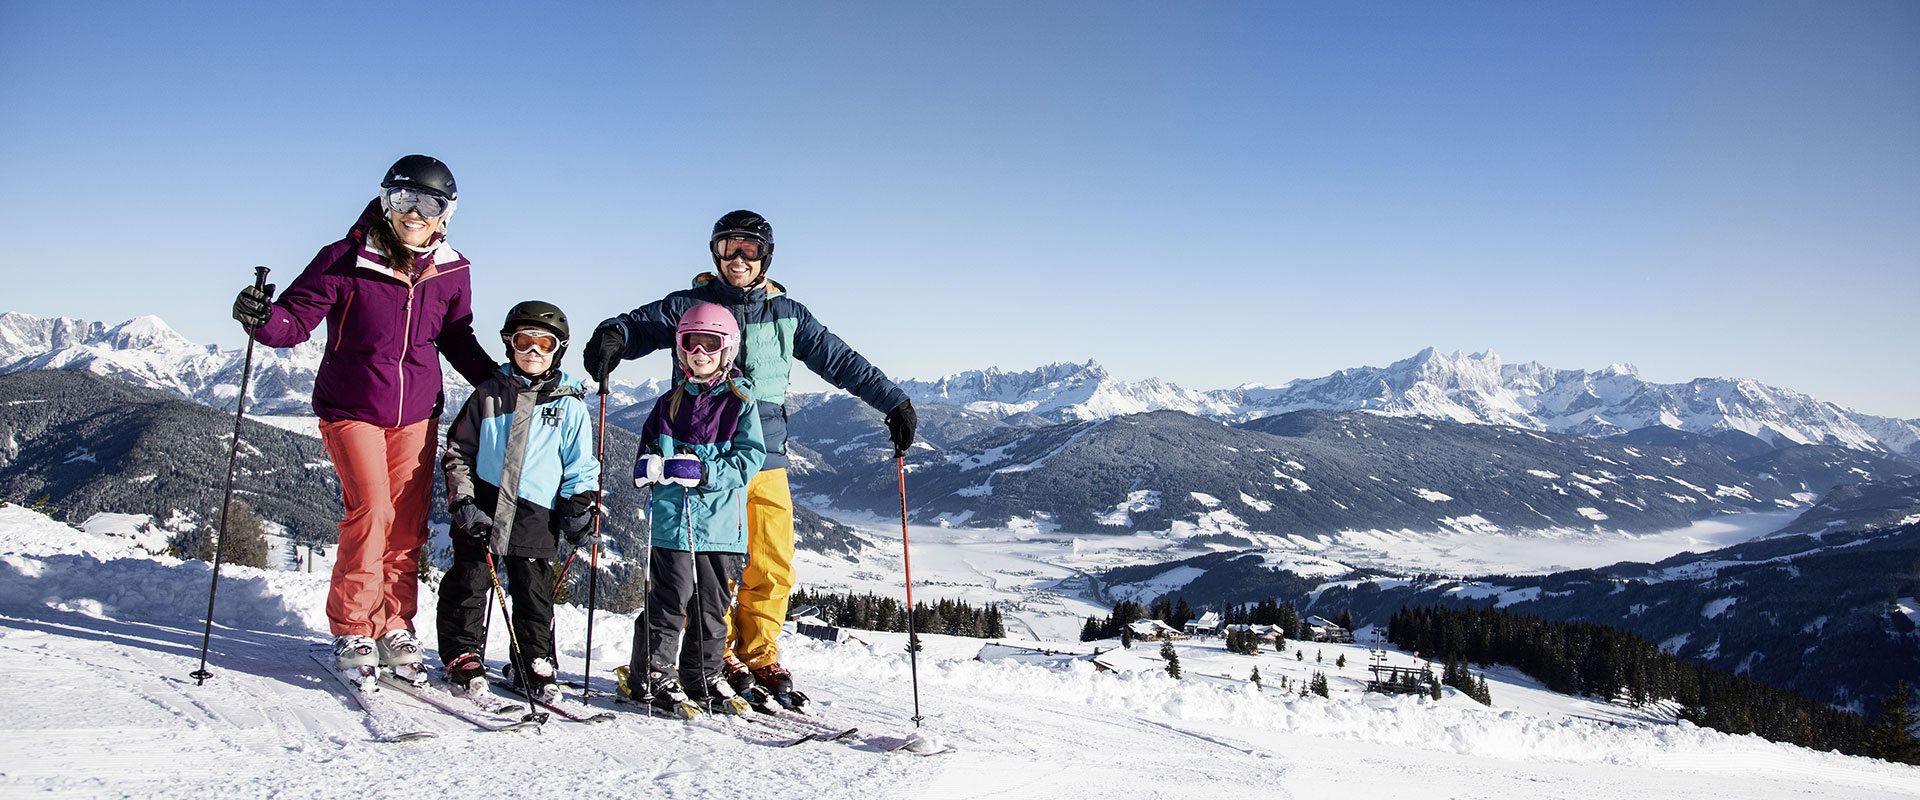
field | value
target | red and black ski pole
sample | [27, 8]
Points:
[201, 675]
[906, 560]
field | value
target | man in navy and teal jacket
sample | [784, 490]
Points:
[775, 330]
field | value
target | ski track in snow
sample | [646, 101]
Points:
[106, 639]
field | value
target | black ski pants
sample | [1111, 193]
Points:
[463, 601]
[677, 603]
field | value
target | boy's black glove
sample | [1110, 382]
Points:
[576, 520]
[604, 349]
[901, 423]
[468, 519]
[254, 307]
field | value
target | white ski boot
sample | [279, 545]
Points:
[400, 652]
[357, 658]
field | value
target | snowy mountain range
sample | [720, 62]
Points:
[145, 352]
[1477, 388]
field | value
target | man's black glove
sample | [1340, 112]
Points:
[604, 349]
[254, 307]
[576, 521]
[470, 520]
[900, 425]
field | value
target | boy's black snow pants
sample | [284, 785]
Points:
[674, 607]
[463, 601]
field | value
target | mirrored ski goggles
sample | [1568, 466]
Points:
[400, 200]
[749, 249]
[533, 341]
[702, 342]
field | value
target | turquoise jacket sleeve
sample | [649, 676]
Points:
[579, 464]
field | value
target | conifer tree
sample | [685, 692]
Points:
[1173, 658]
[1318, 685]
[1894, 738]
[246, 538]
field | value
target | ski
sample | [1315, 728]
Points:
[445, 702]
[823, 736]
[569, 714]
[389, 722]
[825, 730]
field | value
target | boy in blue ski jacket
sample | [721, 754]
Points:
[699, 449]
[521, 474]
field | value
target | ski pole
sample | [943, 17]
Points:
[593, 578]
[906, 560]
[201, 675]
[513, 641]
[643, 622]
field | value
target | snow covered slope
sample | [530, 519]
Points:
[105, 638]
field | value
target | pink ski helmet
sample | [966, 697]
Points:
[707, 328]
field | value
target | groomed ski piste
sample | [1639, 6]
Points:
[97, 640]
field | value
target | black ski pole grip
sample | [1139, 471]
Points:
[260, 278]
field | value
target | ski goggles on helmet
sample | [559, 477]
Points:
[749, 249]
[702, 342]
[533, 340]
[402, 199]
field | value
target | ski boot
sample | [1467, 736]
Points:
[540, 684]
[357, 658]
[739, 677]
[665, 696]
[714, 696]
[778, 683]
[660, 693]
[400, 652]
[467, 675]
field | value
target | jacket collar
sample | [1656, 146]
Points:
[734, 375]
[440, 259]
[730, 295]
[558, 383]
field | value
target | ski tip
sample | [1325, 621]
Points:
[412, 736]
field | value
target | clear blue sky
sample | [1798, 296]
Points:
[1210, 195]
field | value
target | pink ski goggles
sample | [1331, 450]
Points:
[701, 342]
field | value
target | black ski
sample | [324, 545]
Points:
[389, 722]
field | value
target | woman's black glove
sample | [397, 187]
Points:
[254, 307]
[901, 423]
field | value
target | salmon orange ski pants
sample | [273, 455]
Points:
[386, 482]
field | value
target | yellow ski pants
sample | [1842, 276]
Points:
[753, 629]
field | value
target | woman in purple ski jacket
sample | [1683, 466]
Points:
[395, 298]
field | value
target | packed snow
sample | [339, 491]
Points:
[106, 633]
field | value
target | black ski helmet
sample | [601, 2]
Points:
[744, 223]
[425, 173]
[538, 314]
